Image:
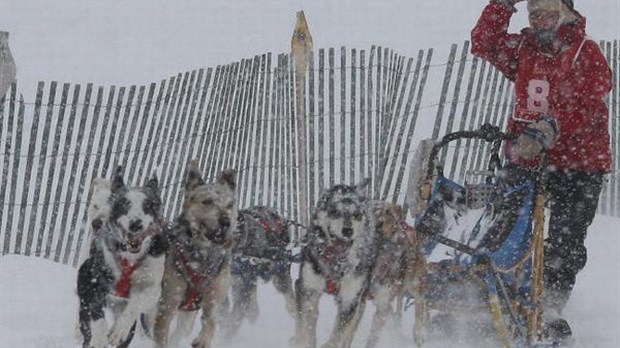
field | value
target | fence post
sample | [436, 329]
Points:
[301, 48]
[8, 70]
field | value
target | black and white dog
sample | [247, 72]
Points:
[261, 252]
[338, 258]
[125, 264]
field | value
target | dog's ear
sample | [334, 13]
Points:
[101, 192]
[193, 178]
[362, 187]
[117, 179]
[101, 185]
[98, 206]
[228, 177]
[397, 211]
[153, 183]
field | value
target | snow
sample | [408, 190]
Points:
[142, 41]
[38, 304]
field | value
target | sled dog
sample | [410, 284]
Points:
[400, 270]
[125, 264]
[338, 258]
[261, 252]
[197, 268]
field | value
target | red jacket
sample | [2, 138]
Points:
[569, 83]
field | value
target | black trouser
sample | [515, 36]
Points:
[573, 199]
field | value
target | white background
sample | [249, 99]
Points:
[127, 42]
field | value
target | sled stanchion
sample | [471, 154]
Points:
[425, 193]
[491, 283]
[503, 295]
[535, 321]
[496, 314]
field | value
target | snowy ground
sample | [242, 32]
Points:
[38, 304]
[120, 42]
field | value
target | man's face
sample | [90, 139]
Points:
[543, 20]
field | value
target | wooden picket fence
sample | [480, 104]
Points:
[366, 112]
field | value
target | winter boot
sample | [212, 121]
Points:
[557, 331]
[556, 328]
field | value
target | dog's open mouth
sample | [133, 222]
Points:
[133, 246]
[218, 235]
[133, 241]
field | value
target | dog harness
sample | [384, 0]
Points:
[261, 253]
[196, 280]
[329, 261]
[123, 284]
[410, 233]
[270, 221]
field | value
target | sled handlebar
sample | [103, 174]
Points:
[487, 132]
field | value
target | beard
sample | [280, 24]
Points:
[545, 36]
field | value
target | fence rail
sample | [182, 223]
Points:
[366, 112]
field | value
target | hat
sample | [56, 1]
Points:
[547, 5]
[564, 7]
[569, 4]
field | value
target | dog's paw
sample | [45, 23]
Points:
[252, 312]
[98, 337]
[329, 344]
[201, 342]
[291, 308]
[298, 342]
[120, 330]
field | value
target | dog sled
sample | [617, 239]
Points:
[484, 244]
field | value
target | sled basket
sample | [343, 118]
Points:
[481, 239]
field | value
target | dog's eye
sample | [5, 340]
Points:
[230, 205]
[207, 202]
[151, 206]
[120, 206]
[335, 213]
[358, 215]
[319, 232]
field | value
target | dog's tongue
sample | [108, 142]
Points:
[334, 251]
[135, 241]
[220, 236]
[134, 245]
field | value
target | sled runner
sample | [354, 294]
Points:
[484, 243]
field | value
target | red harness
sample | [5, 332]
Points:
[278, 228]
[123, 285]
[410, 233]
[332, 255]
[193, 296]
[195, 281]
[335, 252]
[332, 287]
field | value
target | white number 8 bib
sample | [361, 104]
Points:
[538, 91]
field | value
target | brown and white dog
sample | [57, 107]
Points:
[197, 268]
[400, 270]
[358, 250]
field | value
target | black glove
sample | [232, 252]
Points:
[509, 2]
[536, 137]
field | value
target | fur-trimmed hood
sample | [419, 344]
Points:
[567, 33]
